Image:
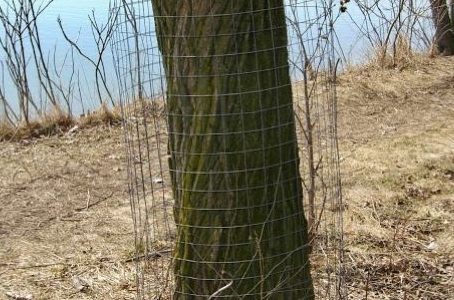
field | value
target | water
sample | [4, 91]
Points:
[74, 16]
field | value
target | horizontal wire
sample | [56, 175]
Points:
[241, 278]
[267, 222]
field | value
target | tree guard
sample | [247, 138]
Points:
[222, 100]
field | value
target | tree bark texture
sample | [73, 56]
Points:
[444, 27]
[233, 151]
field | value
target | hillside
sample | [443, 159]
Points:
[65, 216]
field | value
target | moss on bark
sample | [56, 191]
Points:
[234, 161]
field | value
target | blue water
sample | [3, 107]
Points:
[74, 15]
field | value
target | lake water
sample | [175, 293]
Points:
[74, 15]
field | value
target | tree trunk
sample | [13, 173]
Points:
[234, 160]
[444, 27]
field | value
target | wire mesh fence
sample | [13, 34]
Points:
[230, 129]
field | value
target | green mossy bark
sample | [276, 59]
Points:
[234, 161]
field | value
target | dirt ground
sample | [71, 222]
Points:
[66, 230]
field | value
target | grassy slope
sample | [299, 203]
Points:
[397, 139]
[397, 148]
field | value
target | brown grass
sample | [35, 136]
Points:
[50, 124]
[397, 138]
[102, 116]
[57, 122]
[65, 217]
[398, 56]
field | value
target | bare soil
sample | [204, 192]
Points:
[66, 230]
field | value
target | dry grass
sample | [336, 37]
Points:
[102, 116]
[65, 214]
[65, 217]
[52, 123]
[397, 137]
[57, 122]
[399, 55]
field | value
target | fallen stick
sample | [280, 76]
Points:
[150, 255]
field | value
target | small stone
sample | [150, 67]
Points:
[80, 284]
[73, 130]
[158, 181]
[432, 246]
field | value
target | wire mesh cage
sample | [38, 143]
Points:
[230, 130]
